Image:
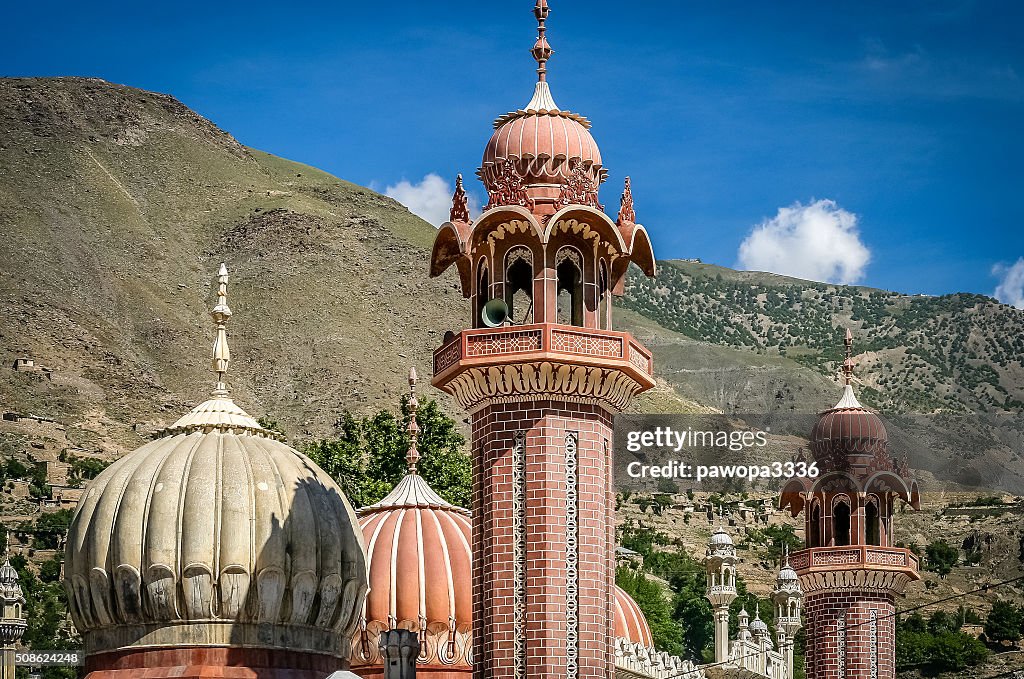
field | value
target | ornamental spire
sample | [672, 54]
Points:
[626, 212]
[221, 314]
[460, 203]
[848, 363]
[412, 456]
[541, 49]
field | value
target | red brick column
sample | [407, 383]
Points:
[850, 635]
[541, 434]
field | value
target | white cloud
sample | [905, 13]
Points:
[1011, 283]
[819, 242]
[430, 198]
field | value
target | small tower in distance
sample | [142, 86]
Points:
[12, 623]
[850, 572]
[788, 599]
[720, 564]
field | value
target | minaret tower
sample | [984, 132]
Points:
[542, 373]
[850, 571]
[788, 599]
[12, 622]
[721, 592]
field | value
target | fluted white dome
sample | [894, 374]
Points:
[215, 533]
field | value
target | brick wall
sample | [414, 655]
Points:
[850, 635]
[539, 586]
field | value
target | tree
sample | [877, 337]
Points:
[1004, 622]
[652, 600]
[367, 457]
[941, 557]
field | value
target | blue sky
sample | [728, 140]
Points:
[891, 127]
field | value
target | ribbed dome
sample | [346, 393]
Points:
[420, 575]
[215, 533]
[543, 143]
[720, 538]
[848, 435]
[630, 622]
[758, 627]
[787, 577]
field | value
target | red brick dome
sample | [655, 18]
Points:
[630, 622]
[849, 435]
[420, 578]
[543, 143]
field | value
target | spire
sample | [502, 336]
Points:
[460, 203]
[541, 49]
[412, 456]
[221, 314]
[626, 212]
[848, 363]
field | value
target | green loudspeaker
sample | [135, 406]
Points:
[494, 313]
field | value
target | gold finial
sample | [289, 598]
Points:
[412, 456]
[848, 363]
[541, 49]
[221, 314]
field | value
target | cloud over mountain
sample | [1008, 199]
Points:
[430, 198]
[1011, 283]
[818, 241]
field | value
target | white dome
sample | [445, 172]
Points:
[215, 522]
[215, 533]
[720, 538]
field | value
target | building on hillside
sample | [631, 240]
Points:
[850, 572]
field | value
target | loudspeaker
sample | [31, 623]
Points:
[494, 313]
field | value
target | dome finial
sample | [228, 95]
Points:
[221, 314]
[848, 363]
[541, 49]
[412, 456]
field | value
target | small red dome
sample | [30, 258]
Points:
[544, 144]
[420, 575]
[630, 622]
[850, 436]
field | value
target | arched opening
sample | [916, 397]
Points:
[569, 292]
[872, 527]
[604, 305]
[483, 293]
[814, 530]
[519, 285]
[841, 523]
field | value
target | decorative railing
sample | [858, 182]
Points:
[825, 557]
[543, 338]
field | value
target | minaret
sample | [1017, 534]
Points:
[720, 564]
[542, 375]
[788, 599]
[12, 623]
[850, 572]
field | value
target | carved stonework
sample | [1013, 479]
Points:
[579, 188]
[572, 254]
[626, 213]
[460, 203]
[572, 636]
[855, 580]
[440, 643]
[477, 387]
[517, 253]
[508, 189]
[841, 643]
[519, 552]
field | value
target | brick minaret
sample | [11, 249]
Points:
[541, 388]
[850, 572]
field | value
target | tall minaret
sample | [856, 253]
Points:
[720, 564]
[850, 572]
[12, 622]
[542, 375]
[788, 598]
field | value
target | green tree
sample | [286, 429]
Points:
[1004, 622]
[941, 557]
[654, 602]
[367, 456]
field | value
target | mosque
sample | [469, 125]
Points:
[216, 550]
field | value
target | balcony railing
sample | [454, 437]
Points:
[542, 340]
[866, 555]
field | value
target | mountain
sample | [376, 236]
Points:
[118, 205]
